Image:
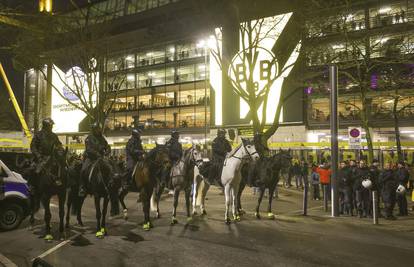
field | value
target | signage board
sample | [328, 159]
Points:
[355, 136]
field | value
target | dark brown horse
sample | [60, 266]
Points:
[147, 175]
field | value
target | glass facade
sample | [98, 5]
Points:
[161, 87]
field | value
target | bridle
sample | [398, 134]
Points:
[250, 155]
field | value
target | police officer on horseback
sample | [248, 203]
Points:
[134, 152]
[42, 146]
[96, 147]
[220, 147]
[174, 147]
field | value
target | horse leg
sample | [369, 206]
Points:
[47, 217]
[175, 204]
[234, 204]
[159, 193]
[79, 205]
[227, 196]
[146, 205]
[239, 193]
[99, 233]
[262, 190]
[187, 203]
[195, 195]
[68, 207]
[270, 214]
[62, 198]
[104, 211]
[203, 198]
[122, 196]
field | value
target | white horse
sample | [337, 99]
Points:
[231, 175]
[200, 188]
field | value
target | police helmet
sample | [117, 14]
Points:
[401, 190]
[175, 133]
[47, 122]
[136, 132]
[221, 132]
[366, 183]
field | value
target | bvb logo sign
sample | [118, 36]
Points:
[264, 69]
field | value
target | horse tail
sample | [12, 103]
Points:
[153, 202]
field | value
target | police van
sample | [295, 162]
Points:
[14, 198]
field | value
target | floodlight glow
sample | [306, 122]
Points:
[384, 10]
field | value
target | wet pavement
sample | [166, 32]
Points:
[289, 240]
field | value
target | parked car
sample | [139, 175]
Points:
[14, 198]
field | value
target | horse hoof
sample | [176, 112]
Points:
[48, 238]
[204, 212]
[103, 231]
[270, 216]
[174, 221]
[237, 218]
[227, 221]
[146, 226]
[257, 215]
[99, 234]
[195, 213]
[125, 214]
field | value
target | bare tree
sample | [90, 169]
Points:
[73, 47]
[359, 57]
[253, 86]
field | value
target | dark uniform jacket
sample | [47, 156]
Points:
[43, 143]
[221, 146]
[374, 173]
[134, 151]
[402, 176]
[388, 183]
[175, 149]
[345, 178]
[360, 175]
[96, 147]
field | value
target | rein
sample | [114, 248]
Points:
[245, 149]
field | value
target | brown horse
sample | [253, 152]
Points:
[147, 175]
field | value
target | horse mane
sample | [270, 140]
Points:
[231, 154]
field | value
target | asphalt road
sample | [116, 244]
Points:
[289, 240]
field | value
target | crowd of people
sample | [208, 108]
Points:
[356, 183]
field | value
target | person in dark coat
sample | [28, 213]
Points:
[220, 147]
[42, 145]
[134, 153]
[402, 176]
[345, 189]
[175, 149]
[374, 173]
[361, 193]
[96, 147]
[388, 184]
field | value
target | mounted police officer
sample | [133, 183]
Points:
[174, 147]
[263, 151]
[96, 147]
[220, 147]
[261, 148]
[42, 145]
[134, 153]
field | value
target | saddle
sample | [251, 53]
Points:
[177, 169]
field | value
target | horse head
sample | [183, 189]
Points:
[250, 149]
[282, 159]
[194, 155]
[161, 155]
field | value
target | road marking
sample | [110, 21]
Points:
[6, 262]
[61, 244]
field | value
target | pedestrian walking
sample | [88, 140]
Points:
[315, 183]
